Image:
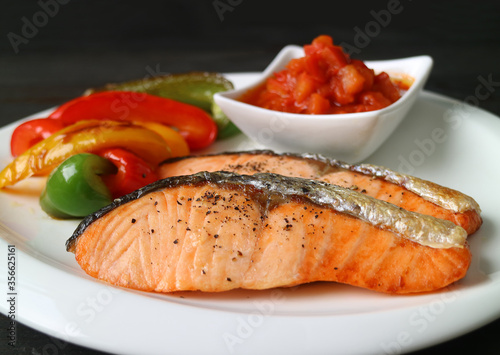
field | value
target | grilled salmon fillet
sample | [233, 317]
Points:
[406, 191]
[220, 231]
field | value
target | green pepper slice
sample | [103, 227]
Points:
[75, 188]
[194, 88]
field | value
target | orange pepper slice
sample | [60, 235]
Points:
[85, 136]
[176, 142]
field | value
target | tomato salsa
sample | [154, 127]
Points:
[325, 81]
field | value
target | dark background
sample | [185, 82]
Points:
[81, 44]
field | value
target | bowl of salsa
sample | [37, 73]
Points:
[317, 99]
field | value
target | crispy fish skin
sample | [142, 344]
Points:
[406, 191]
[219, 231]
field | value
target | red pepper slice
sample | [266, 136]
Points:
[29, 133]
[133, 172]
[194, 124]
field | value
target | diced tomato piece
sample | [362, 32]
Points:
[352, 81]
[366, 72]
[335, 59]
[305, 87]
[296, 65]
[323, 41]
[276, 87]
[316, 67]
[374, 100]
[309, 49]
[383, 84]
[318, 105]
[339, 94]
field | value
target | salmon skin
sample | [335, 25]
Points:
[217, 231]
[406, 191]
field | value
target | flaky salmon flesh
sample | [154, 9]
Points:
[408, 192]
[221, 231]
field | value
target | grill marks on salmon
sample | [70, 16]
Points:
[220, 231]
[406, 191]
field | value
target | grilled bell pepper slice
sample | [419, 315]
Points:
[85, 136]
[177, 143]
[194, 124]
[76, 189]
[194, 88]
[133, 172]
[31, 132]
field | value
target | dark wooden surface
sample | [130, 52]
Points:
[82, 44]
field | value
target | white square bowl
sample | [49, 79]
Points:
[351, 137]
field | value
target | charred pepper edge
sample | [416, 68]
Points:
[273, 189]
[215, 77]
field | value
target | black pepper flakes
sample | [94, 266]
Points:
[133, 220]
[176, 241]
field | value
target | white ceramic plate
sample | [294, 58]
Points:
[439, 140]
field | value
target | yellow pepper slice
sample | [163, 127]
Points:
[176, 142]
[85, 136]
